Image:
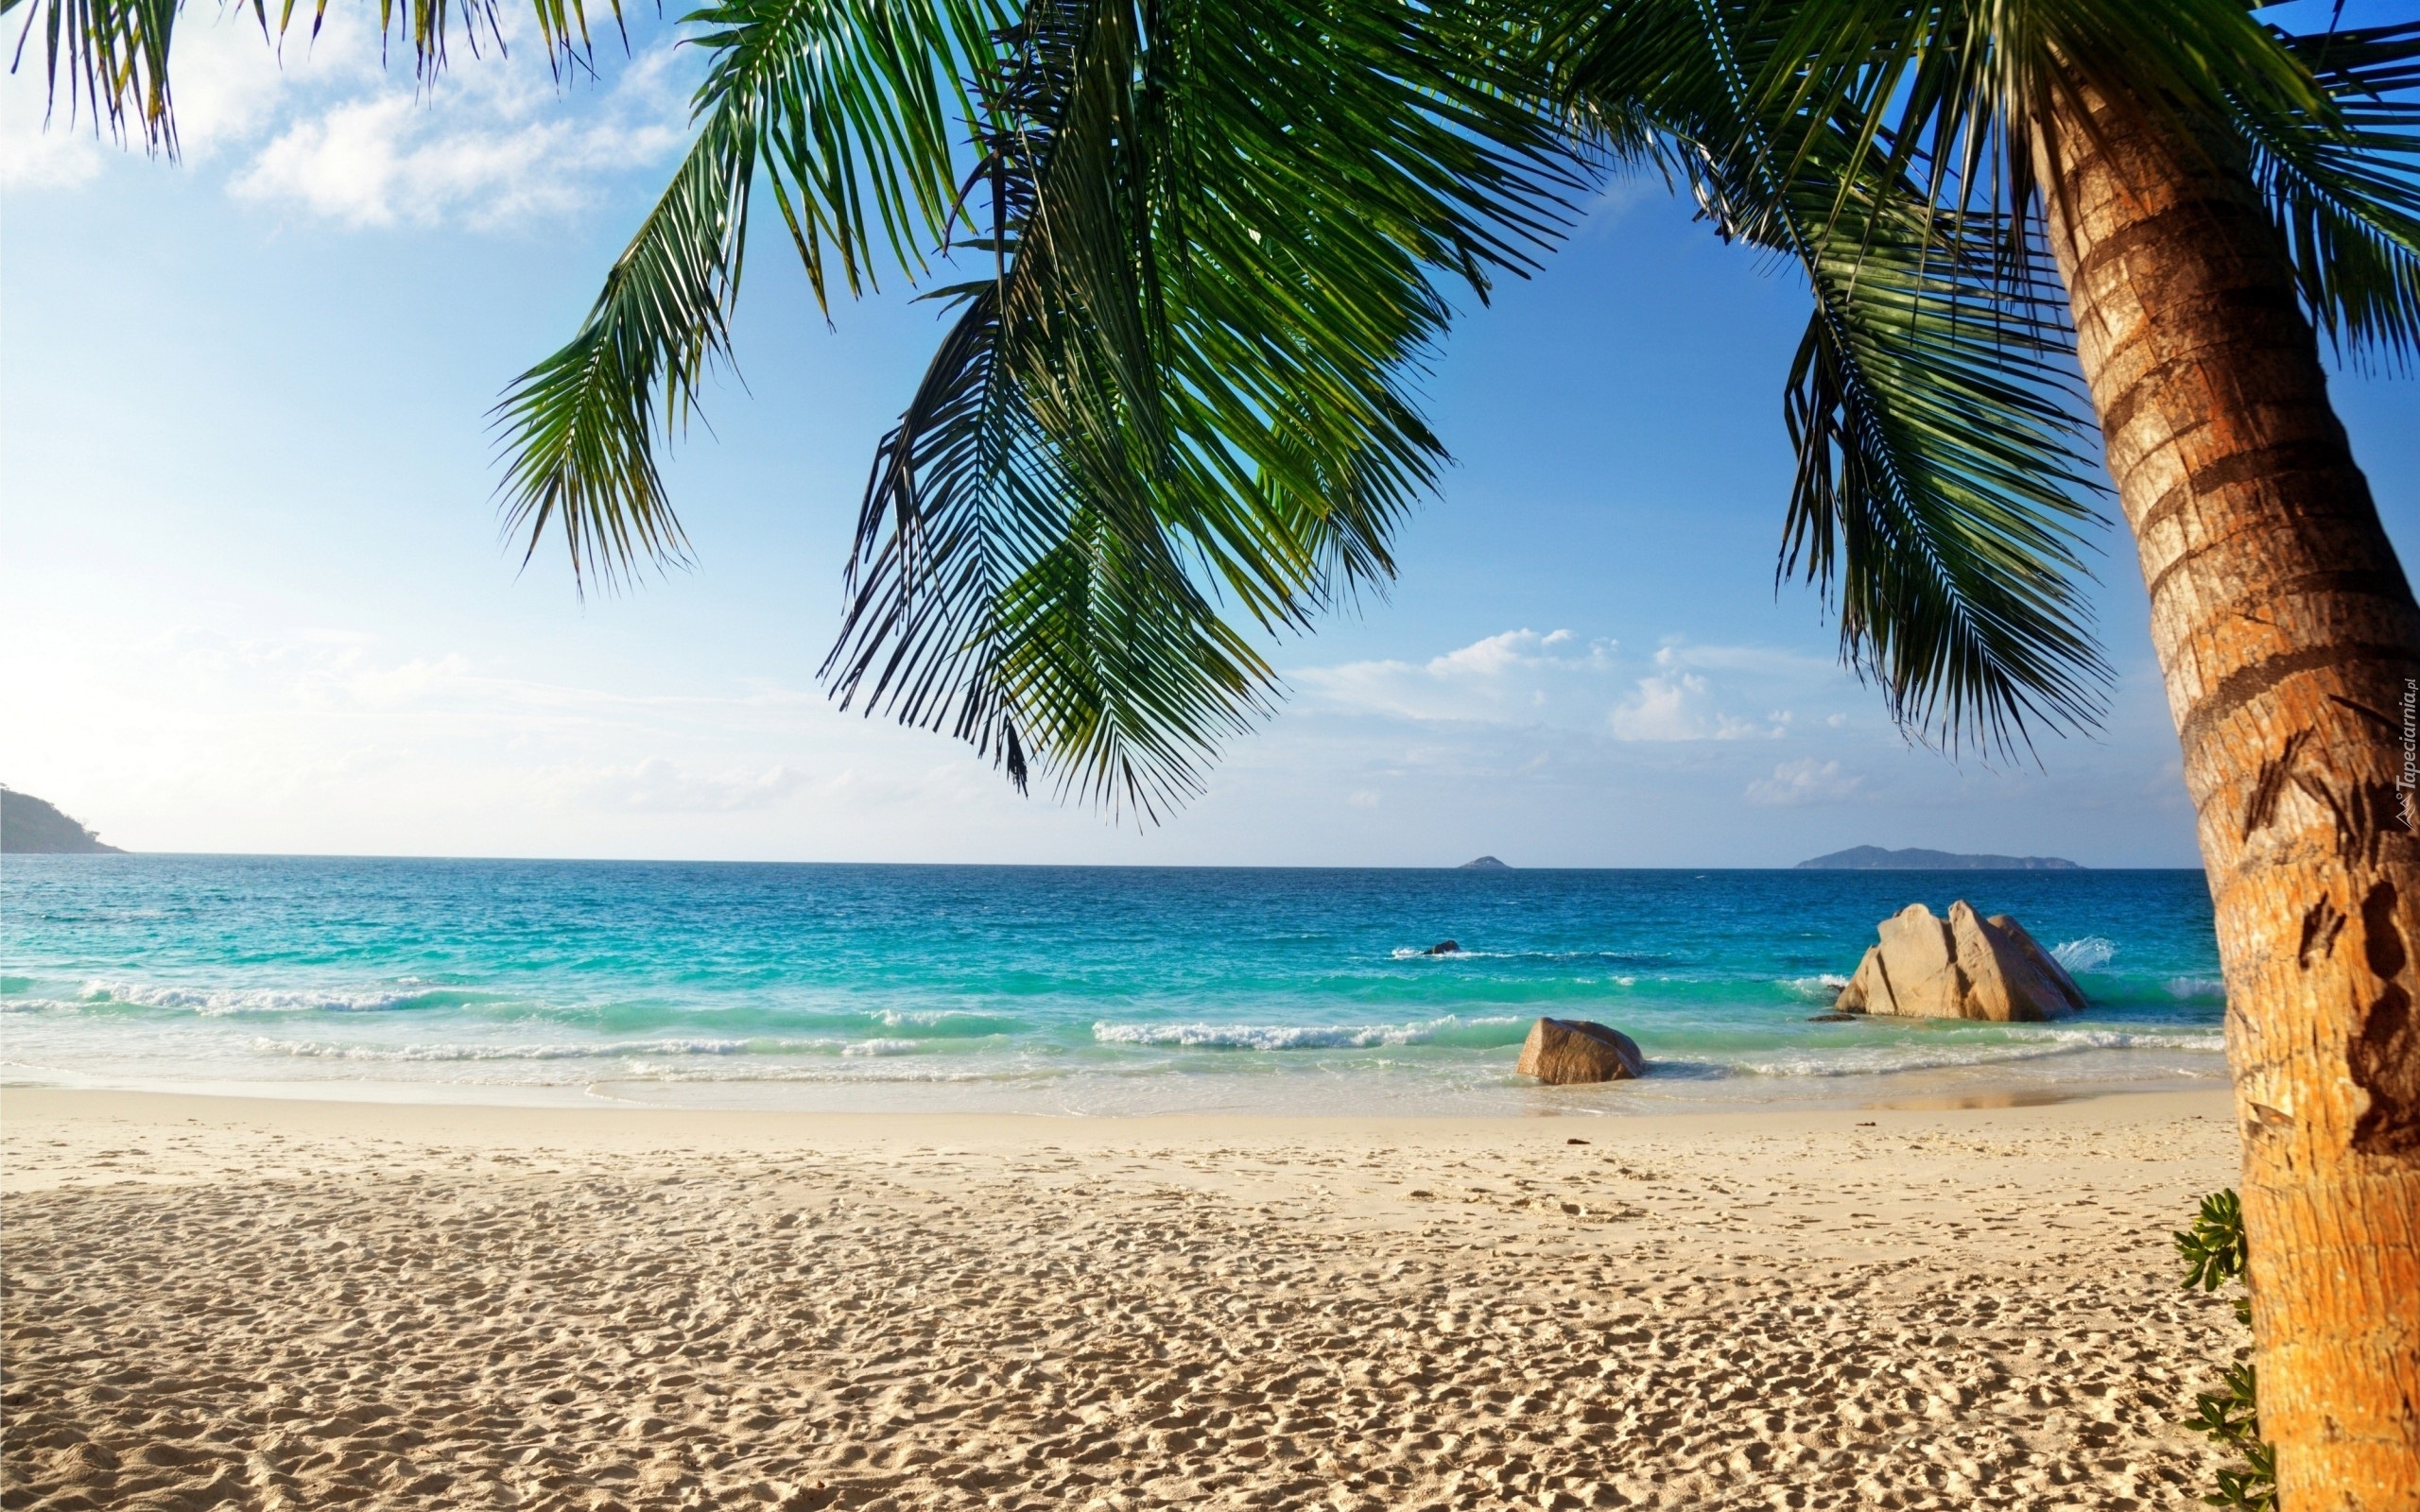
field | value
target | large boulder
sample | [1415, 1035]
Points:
[1965, 967]
[1563, 1051]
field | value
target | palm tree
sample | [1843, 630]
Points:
[1199, 245]
[2204, 191]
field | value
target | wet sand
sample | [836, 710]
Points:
[245, 1303]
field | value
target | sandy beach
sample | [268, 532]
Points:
[244, 1303]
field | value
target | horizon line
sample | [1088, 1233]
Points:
[1063, 866]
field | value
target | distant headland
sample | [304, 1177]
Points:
[29, 826]
[1874, 858]
[1483, 863]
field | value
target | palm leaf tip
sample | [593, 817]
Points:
[1958, 592]
[573, 464]
[1943, 483]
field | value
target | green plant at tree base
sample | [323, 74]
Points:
[2214, 1254]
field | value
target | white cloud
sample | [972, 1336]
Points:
[326, 126]
[339, 740]
[1489, 658]
[497, 143]
[1516, 675]
[1681, 705]
[1795, 785]
[1667, 707]
[32, 158]
[228, 84]
[1528, 679]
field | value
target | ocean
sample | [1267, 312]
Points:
[1074, 990]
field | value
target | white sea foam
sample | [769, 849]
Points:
[880, 1047]
[226, 1001]
[1904, 1056]
[1283, 1035]
[929, 1018]
[919, 1068]
[33, 1005]
[551, 1050]
[1409, 952]
[2089, 953]
[1822, 988]
[2190, 989]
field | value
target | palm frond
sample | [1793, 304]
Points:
[987, 600]
[2344, 185]
[2326, 124]
[843, 107]
[1943, 475]
[1942, 484]
[579, 427]
[1217, 231]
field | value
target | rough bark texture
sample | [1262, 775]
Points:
[2287, 636]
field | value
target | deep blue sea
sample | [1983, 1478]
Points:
[1052, 990]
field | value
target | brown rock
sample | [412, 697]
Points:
[1561, 1052]
[2044, 965]
[1852, 998]
[1965, 967]
[1920, 963]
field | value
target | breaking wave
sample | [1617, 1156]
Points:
[321, 1050]
[1301, 1037]
[229, 1001]
[2089, 953]
[1905, 1055]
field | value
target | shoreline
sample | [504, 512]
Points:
[284, 1303]
[1218, 1093]
[45, 1106]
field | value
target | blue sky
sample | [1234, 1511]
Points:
[255, 599]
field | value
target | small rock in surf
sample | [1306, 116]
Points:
[1563, 1051]
[1443, 947]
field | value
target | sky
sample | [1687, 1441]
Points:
[253, 596]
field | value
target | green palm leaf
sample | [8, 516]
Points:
[843, 106]
[1941, 483]
[2344, 185]
[1181, 386]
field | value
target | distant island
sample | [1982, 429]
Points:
[1483, 863]
[1874, 858]
[29, 826]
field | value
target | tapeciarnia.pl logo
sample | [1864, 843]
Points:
[2408, 778]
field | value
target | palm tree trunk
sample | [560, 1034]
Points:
[2289, 643]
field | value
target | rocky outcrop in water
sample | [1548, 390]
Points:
[1561, 1052]
[1965, 967]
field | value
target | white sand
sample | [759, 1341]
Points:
[249, 1303]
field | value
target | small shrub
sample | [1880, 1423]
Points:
[2214, 1254]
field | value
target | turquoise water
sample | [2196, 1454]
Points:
[1081, 989]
